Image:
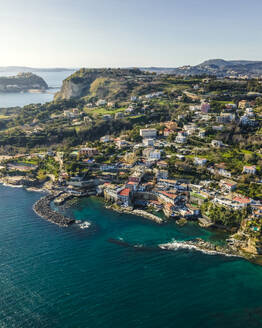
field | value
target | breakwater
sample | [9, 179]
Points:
[148, 216]
[42, 208]
[142, 213]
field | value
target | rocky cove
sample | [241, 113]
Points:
[232, 247]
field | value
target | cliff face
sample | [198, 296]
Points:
[104, 83]
[22, 82]
[70, 90]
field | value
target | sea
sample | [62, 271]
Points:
[115, 273]
[53, 78]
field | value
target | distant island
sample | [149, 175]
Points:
[22, 82]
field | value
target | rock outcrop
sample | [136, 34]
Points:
[103, 83]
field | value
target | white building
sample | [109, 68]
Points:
[121, 143]
[101, 102]
[249, 169]
[202, 133]
[148, 133]
[190, 128]
[200, 161]
[155, 155]
[245, 120]
[181, 138]
[216, 143]
[105, 138]
[152, 154]
[69, 114]
[194, 108]
[250, 112]
[148, 142]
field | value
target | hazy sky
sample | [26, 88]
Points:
[99, 33]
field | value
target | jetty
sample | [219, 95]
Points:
[142, 213]
[147, 215]
[43, 209]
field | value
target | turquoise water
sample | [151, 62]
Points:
[52, 78]
[68, 277]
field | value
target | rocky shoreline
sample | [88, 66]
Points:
[233, 247]
[43, 209]
[201, 245]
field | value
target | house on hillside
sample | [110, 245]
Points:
[181, 138]
[105, 138]
[249, 169]
[216, 143]
[148, 133]
[228, 185]
[200, 161]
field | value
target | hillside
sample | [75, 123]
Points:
[106, 83]
[217, 67]
[22, 82]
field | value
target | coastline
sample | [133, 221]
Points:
[200, 245]
[43, 209]
[4, 182]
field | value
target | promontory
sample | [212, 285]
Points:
[22, 82]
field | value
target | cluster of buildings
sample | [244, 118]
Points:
[140, 177]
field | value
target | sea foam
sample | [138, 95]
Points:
[178, 245]
[84, 225]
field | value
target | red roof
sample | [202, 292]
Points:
[132, 183]
[172, 196]
[242, 200]
[221, 165]
[125, 192]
